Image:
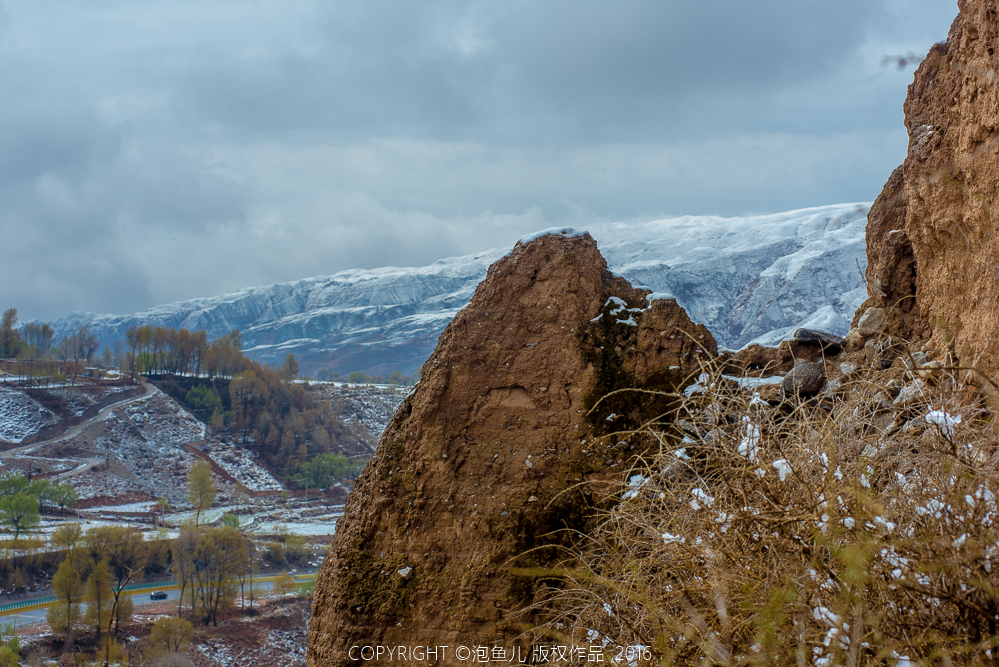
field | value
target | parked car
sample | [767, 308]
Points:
[158, 595]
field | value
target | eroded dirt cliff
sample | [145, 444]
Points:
[932, 247]
[498, 450]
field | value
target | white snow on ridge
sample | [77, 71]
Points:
[748, 279]
[567, 232]
[753, 279]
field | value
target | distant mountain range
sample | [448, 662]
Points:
[749, 279]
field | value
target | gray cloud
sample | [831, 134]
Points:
[528, 71]
[169, 149]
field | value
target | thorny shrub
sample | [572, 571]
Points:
[844, 530]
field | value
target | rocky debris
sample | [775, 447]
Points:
[853, 339]
[275, 638]
[931, 245]
[804, 380]
[483, 462]
[910, 394]
[929, 370]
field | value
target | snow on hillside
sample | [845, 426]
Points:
[748, 279]
[21, 416]
[372, 407]
[170, 424]
[79, 399]
[154, 465]
[238, 462]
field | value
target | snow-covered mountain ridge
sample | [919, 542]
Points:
[749, 279]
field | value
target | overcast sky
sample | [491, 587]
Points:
[157, 150]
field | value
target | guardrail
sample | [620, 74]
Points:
[41, 602]
[35, 603]
[20, 604]
[147, 586]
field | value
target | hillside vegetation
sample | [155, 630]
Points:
[855, 527]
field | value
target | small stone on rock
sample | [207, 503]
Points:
[910, 393]
[929, 368]
[854, 339]
[804, 380]
[872, 321]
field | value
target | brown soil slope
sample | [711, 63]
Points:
[932, 246]
[483, 461]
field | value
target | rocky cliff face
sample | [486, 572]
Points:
[932, 241]
[483, 462]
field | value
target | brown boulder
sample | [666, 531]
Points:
[486, 457]
[932, 245]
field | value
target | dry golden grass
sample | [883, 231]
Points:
[845, 531]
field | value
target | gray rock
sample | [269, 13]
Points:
[848, 368]
[714, 436]
[872, 321]
[882, 401]
[911, 394]
[804, 380]
[406, 572]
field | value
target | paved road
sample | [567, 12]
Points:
[141, 599]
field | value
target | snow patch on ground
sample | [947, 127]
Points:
[238, 462]
[147, 506]
[79, 400]
[21, 416]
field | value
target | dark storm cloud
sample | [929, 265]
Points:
[565, 69]
[166, 149]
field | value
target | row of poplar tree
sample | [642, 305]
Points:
[212, 566]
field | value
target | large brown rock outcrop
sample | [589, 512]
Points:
[932, 246]
[485, 459]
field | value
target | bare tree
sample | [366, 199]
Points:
[118, 355]
[10, 337]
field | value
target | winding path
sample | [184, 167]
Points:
[85, 464]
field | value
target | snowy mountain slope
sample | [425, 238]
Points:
[752, 279]
[748, 279]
